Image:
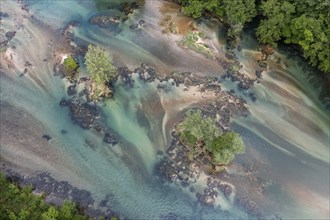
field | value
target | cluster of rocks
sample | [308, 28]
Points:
[214, 187]
[146, 73]
[68, 29]
[3, 15]
[105, 21]
[176, 167]
[87, 116]
[58, 191]
[224, 107]
[112, 22]
[137, 25]
[9, 35]
[248, 205]
[126, 76]
[84, 114]
[128, 7]
[233, 71]
[186, 78]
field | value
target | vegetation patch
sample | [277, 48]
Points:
[20, 203]
[70, 66]
[204, 139]
[100, 68]
[194, 41]
[305, 23]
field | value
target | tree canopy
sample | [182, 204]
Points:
[302, 22]
[99, 65]
[21, 204]
[196, 130]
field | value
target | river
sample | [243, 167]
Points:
[286, 133]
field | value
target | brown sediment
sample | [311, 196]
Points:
[173, 20]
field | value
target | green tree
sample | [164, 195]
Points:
[99, 65]
[20, 203]
[277, 23]
[304, 22]
[198, 129]
[225, 147]
[51, 214]
[308, 32]
[203, 129]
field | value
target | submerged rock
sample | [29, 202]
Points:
[68, 29]
[110, 138]
[146, 73]
[126, 76]
[248, 205]
[226, 189]
[47, 137]
[64, 103]
[4, 14]
[71, 90]
[105, 21]
[10, 34]
[84, 114]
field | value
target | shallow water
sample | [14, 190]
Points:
[287, 132]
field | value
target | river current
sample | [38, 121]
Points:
[286, 133]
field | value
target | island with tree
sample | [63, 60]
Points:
[203, 138]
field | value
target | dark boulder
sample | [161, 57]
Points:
[141, 22]
[110, 138]
[63, 103]
[134, 26]
[258, 74]
[71, 90]
[47, 137]
[10, 35]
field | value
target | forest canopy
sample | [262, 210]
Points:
[21, 203]
[301, 22]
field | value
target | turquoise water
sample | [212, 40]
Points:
[287, 133]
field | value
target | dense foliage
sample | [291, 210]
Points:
[70, 66]
[302, 22]
[202, 136]
[20, 203]
[99, 65]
